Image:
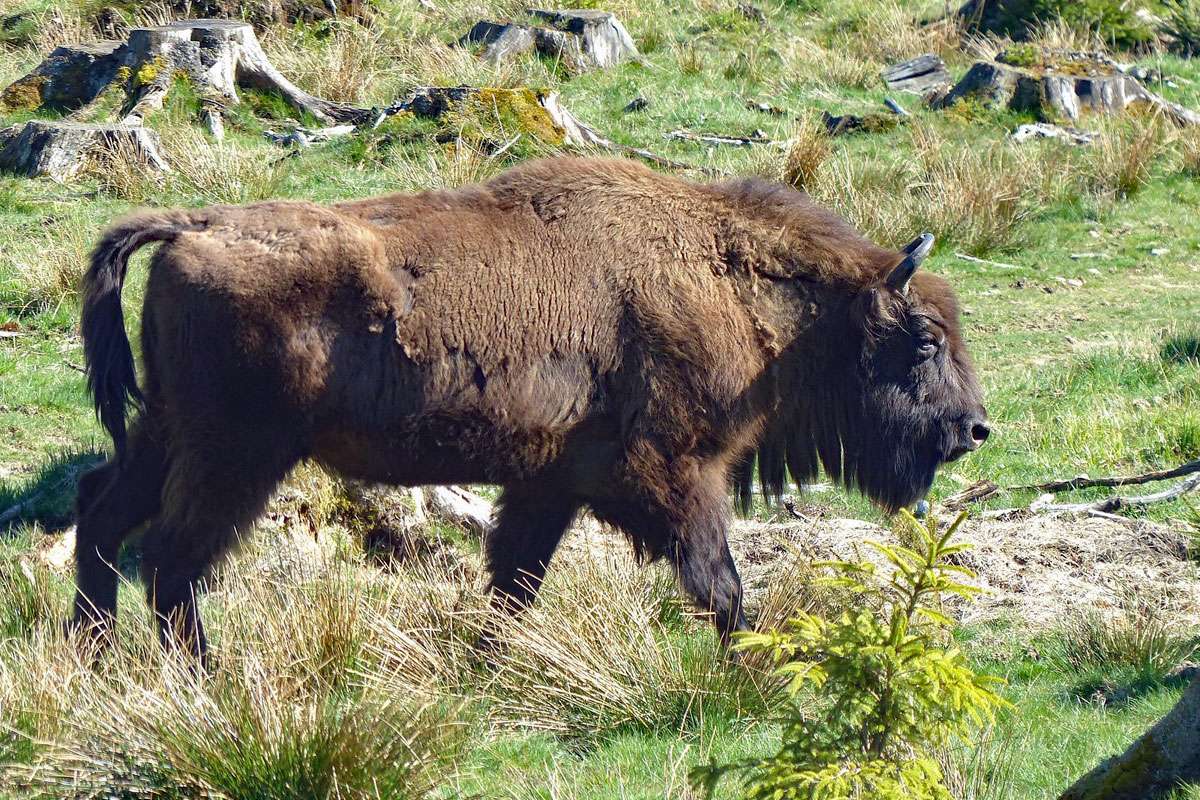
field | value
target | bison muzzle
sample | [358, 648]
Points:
[584, 333]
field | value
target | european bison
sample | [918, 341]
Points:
[582, 332]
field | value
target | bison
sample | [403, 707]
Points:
[584, 333]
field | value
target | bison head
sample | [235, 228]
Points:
[896, 398]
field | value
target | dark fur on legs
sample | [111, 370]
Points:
[531, 522]
[113, 500]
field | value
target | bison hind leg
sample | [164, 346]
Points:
[113, 500]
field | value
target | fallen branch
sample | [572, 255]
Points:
[1101, 508]
[713, 138]
[1084, 482]
[974, 260]
[975, 493]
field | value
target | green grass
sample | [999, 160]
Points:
[610, 690]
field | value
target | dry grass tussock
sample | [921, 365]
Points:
[806, 61]
[283, 713]
[44, 268]
[596, 654]
[1188, 147]
[202, 171]
[882, 33]
[429, 61]
[977, 196]
[351, 63]
[1142, 633]
[1122, 160]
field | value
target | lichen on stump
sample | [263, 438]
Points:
[1059, 86]
[485, 113]
[68, 79]
[217, 56]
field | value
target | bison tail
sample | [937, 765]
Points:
[111, 375]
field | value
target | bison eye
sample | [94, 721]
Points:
[927, 348]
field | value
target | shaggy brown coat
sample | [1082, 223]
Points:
[581, 332]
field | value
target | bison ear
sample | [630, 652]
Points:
[914, 253]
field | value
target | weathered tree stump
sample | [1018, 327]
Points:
[505, 41]
[69, 78]
[602, 37]
[1060, 86]
[60, 150]
[920, 75]
[580, 40]
[217, 56]
[1165, 756]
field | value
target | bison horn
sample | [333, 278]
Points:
[914, 253]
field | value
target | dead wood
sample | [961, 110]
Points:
[1084, 482]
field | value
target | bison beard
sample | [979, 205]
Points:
[584, 333]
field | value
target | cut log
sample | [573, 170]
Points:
[1156, 764]
[71, 77]
[60, 150]
[920, 75]
[1061, 86]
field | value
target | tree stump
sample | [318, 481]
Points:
[505, 41]
[60, 150]
[1060, 86]
[920, 75]
[580, 40]
[217, 56]
[602, 37]
[68, 79]
[1165, 756]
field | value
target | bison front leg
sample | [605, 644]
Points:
[689, 528]
[699, 549]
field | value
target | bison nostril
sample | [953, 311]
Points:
[979, 433]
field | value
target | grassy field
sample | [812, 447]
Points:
[338, 676]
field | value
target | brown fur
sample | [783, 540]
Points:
[582, 332]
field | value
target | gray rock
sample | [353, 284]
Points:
[920, 75]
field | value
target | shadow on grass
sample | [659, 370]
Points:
[1117, 692]
[48, 496]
